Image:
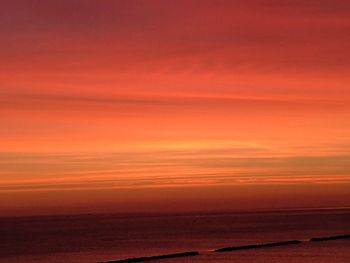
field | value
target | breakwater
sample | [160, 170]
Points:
[165, 256]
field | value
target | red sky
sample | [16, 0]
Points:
[123, 106]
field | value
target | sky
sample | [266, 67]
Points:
[153, 105]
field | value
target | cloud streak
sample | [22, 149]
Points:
[146, 168]
[146, 95]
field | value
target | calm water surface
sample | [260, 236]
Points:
[92, 238]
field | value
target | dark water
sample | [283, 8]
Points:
[92, 238]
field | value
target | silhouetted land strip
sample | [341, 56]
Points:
[228, 249]
[254, 246]
[141, 259]
[329, 238]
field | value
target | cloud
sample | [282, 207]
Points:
[181, 36]
[147, 168]
[99, 94]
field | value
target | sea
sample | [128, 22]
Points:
[104, 237]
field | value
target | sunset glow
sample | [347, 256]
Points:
[123, 106]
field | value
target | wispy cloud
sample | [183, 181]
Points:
[155, 94]
[182, 166]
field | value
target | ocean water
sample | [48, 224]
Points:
[93, 238]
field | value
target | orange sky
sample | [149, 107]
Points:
[119, 106]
